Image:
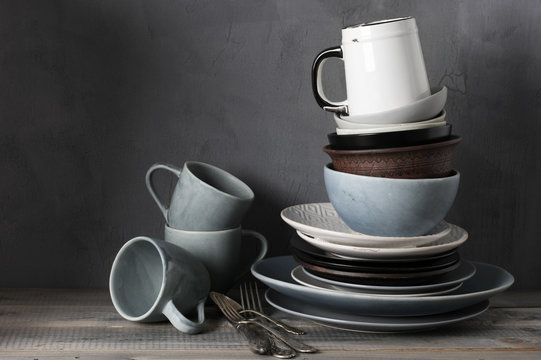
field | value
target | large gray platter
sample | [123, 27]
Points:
[489, 280]
[351, 322]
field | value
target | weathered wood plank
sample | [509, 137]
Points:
[497, 328]
[69, 324]
[202, 354]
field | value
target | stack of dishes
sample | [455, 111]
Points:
[380, 146]
[380, 256]
[421, 114]
[344, 279]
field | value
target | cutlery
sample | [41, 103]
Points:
[229, 308]
[260, 341]
[248, 304]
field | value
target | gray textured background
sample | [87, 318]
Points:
[93, 92]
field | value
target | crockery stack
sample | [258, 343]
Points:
[380, 256]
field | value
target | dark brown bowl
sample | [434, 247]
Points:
[432, 160]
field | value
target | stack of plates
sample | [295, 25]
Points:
[348, 280]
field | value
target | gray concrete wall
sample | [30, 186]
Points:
[93, 92]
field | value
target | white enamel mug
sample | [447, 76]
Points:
[383, 64]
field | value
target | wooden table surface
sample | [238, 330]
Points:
[83, 324]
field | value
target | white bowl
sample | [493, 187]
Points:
[420, 110]
[349, 128]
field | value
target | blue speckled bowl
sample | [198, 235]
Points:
[390, 207]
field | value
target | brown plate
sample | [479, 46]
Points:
[398, 279]
[358, 266]
[306, 249]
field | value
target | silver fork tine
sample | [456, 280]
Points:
[249, 309]
[259, 307]
[252, 298]
[244, 306]
[249, 296]
[226, 310]
[233, 315]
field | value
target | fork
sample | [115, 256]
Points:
[248, 302]
[228, 309]
[277, 347]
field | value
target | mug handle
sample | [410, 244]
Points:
[262, 251]
[317, 86]
[181, 322]
[150, 184]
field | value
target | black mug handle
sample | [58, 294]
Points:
[317, 88]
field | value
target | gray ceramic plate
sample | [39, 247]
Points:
[489, 280]
[352, 322]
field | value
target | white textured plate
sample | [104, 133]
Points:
[322, 221]
[456, 237]
[420, 110]
[378, 130]
[344, 124]
[352, 322]
[349, 128]
[489, 280]
[299, 275]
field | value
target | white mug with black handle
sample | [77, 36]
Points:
[383, 64]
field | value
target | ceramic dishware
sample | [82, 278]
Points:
[384, 67]
[390, 139]
[488, 281]
[416, 111]
[352, 130]
[152, 280]
[205, 197]
[456, 237]
[362, 128]
[303, 277]
[454, 277]
[434, 160]
[449, 280]
[363, 323]
[304, 249]
[390, 207]
[220, 252]
[322, 221]
[374, 278]
[446, 259]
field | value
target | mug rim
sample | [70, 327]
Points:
[454, 174]
[173, 229]
[379, 30]
[122, 250]
[378, 22]
[248, 190]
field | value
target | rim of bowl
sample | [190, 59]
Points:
[454, 173]
[454, 139]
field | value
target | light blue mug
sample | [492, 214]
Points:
[220, 252]
[205, 198]
[152, 280]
